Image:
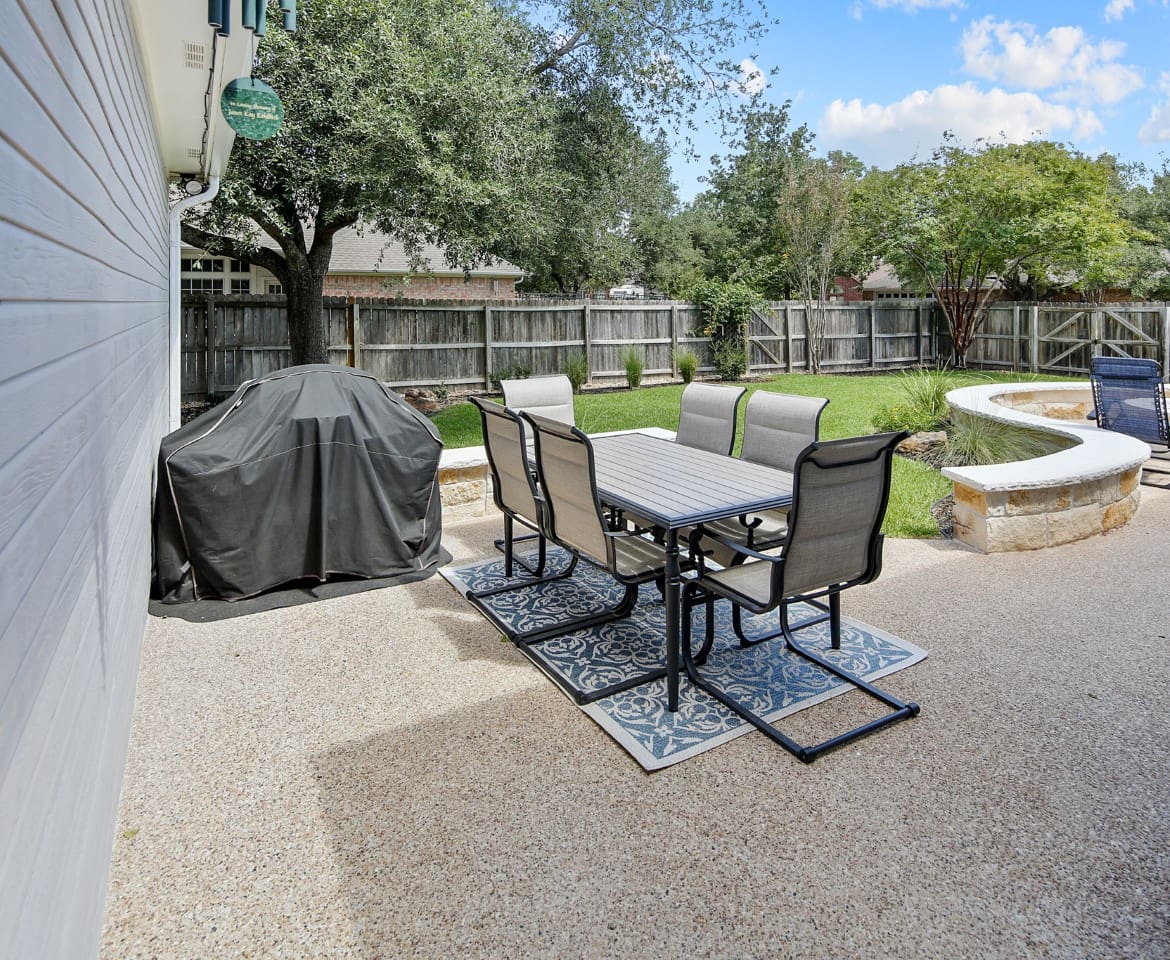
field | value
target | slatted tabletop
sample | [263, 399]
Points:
[675, 486]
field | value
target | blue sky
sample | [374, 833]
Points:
[884, 78]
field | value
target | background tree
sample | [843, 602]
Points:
[417, 118]
[434, 121]
[968, 216]
[747, 189]
[607, 179]
[813, 221]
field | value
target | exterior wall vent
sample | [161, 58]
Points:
[195, 55]
[194, 153]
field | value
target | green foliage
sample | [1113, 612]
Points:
[730, 359]
[922, 404]
[454, 122]
[976, 441]
[725, 308]
[513, 371]
[634, 363]
[952, 223]
[577, 370]
[687, 362]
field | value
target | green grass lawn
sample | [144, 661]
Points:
[852, 401]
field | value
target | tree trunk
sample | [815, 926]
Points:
[306, 316]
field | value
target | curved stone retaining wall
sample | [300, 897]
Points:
[1079, 492]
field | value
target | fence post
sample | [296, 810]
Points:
[487, 346]
[1034, 340]
[872, 334]
[1015, 335]
[918, 332]
[587, 338]
[353, 331]
[1165, 340]
[787, 337]
[674, 341]
[209, 342]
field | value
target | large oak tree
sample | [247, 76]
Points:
[437, 120]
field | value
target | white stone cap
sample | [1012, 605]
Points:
[477, 456]
[1098, 453]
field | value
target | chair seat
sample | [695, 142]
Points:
[751, 583]
[638, 557]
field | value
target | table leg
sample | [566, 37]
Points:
[671, 598]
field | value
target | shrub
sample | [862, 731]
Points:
[688, 364]
[513, 371]
[725, 308]
[976, 441]
[730, 360]
[577, 370]
[923, 404]
[634, 364]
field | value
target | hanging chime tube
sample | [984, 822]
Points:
[248, 14]
[215, 13]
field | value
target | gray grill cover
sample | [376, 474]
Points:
[310, 472]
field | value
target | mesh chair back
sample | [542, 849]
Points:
[840, 492]
[778, 426]
[550, 397]
[564, 466]
[707, 417]
[503, 439]
[1127, 393]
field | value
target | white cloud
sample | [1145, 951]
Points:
[752, 81]
[1156, 129]
[889, 134]
[1116, 9]
[1063, 60]
[913, 6]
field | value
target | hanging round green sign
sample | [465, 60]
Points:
[252, 108]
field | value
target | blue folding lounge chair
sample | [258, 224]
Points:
[1129, 398]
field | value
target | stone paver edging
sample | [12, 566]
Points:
[1084, 490]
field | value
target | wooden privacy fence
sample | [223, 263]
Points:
[1062, 337]
[471, 344]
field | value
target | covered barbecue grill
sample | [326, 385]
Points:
[316, 472]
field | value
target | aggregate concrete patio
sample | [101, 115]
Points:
[382, 776]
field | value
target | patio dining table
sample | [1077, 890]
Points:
[675, 486]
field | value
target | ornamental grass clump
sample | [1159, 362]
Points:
[922, 405]
[577, 370]
[634, 363]
[687, 362]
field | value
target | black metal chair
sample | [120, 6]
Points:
[515, 494]
[574, 520]
[707, 417]
[1129, 398]
[776, 429]
[834, 541]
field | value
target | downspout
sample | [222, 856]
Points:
[175, 390]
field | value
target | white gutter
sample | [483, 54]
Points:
[175, 390]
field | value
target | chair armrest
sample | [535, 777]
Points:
[734, 545]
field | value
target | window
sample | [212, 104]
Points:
[200, 285]
[241, 266]
[241, 285]
[201, 264]
[274, 287]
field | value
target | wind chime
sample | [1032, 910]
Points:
[254, 14]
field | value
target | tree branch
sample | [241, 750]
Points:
[270, 260]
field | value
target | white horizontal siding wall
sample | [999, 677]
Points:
[83, 374]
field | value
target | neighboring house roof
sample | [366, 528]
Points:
[882, 280]
[363, 250]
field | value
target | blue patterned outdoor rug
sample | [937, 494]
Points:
[775, 681]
